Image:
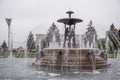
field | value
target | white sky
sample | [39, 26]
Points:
[38, 15]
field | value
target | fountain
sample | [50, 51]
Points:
[114, 38]
[71, 56]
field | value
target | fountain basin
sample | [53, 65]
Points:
[80, 58]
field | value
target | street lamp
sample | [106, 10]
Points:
[8, 20]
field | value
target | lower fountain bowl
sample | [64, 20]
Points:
[63, 58]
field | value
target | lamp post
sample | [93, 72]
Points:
[8, 20]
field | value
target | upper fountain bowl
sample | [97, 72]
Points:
[70, 21]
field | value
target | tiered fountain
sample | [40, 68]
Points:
[73, 54]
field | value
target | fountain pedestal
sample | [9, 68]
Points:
[75, 58]
[69, 34]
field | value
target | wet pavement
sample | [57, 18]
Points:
[22, 69]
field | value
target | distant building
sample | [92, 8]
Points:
[39, 37]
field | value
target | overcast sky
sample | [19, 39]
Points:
[38, 15]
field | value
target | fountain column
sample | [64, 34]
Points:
[69, 34]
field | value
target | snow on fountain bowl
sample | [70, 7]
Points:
[71, 56]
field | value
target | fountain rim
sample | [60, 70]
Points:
[70, 21]
[71, 48]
